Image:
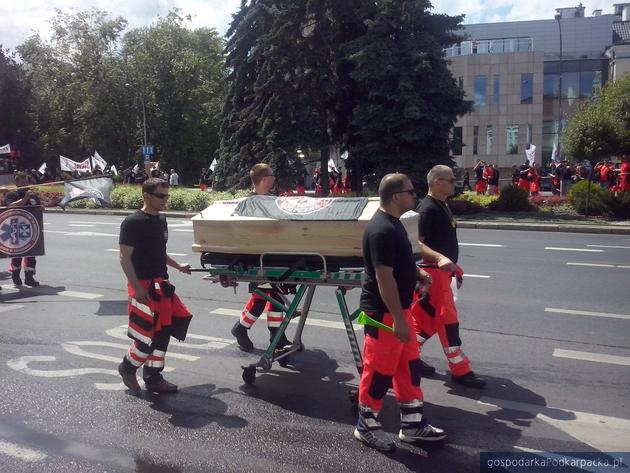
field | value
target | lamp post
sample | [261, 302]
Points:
[558, 17]
[144, 111]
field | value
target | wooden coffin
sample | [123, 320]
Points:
[216, 230]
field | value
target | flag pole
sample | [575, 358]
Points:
[44, 184]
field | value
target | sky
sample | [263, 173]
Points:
[19, 19]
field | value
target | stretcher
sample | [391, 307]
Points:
[296, 283]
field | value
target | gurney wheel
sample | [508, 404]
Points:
[249, 375]
[284, 361]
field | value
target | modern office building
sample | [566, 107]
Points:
[526, 78]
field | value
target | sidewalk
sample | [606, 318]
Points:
[619, 228]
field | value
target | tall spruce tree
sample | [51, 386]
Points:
[408, 98]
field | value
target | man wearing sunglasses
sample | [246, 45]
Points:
[155, 312]
[436, 312]
[391, 358]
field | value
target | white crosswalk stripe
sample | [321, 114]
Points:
[584, 250]
[594, 357]
[20, 452]
[8, 307]
[586, 312]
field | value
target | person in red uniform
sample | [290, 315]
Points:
[436, 312]
[155, 312]
[624, 174]
[523, 180]
[263, 180]
[534, 179]
[481, 184]
[22, 197]
[391, 358]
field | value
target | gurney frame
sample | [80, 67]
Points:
[301, 283]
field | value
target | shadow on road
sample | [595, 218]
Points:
[194, 407]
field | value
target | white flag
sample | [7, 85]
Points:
[69, 165]
[555, 153]
[344, 155]
[531, 154]
[97, 160]
[114, 170]
[331, 165]
[6, 149]
[136, 168]
[213, 165]
[42, 168]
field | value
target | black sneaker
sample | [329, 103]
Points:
[426, 369]
[470, 380]
[240, 333]
[29, 280]
[283, 342]
[15, 276]
[422, 434]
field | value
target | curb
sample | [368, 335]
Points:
[480, 225]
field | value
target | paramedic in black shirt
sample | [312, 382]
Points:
[391, 358]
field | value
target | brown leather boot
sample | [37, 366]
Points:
[161, 387]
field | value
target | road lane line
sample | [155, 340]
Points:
[13, 450]
[609, 246]
[116, 250]
[595, 265]
[80, 225]
[79, 295]
[607, 434]
[479, 276]
[94, 223]
[8, 307]
[489, 245]
[81, 233]
[309, 321]
[595, 357]
[182, 230]
[585, 250]
[586, 312]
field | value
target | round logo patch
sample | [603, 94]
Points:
[300, 205]
[19, 232]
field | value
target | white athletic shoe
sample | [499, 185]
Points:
[375, 438]
[424, 434]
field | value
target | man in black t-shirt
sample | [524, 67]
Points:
[436, 312]
[391, 356]
[22, 197]
[155, 312]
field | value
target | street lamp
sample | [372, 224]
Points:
[144, 112]
[558, 17]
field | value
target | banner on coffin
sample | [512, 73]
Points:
[98, 189]
[21, 232]
[6, 149]
[302, 208]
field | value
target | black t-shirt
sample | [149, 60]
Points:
[147, 234]
[437, 228]
[19, 194]
[385, 243]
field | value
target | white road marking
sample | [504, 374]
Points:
[607, 434]
[489, 245]
[594, 357]
[21, 364]
[13, 450]
[480, 276]
[586, 312]
[74, 348]
[79, 295]
[211, 343]
[94, 223]
[609, 246]
[573, 249]
[594, 265]
[8, 289]
[182, 230]
[80, 225]
[8, 307]
[116, 250]
[309, 321]
[90, 234]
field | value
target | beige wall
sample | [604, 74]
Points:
[509, 111]
[620, 64]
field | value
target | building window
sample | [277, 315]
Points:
[457, 141]
[489, 139]
[460, 82]
[511, 141]
[496, 90]
[480, 91]
[529, 135]
[527, 88]
[475, 140]
[551, 86]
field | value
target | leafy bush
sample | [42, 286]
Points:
[464, 206]
[511, 199]
[548, 200]
[600, 199]
[482, 200]
[198, 201]
[620, 205]
[177, 200]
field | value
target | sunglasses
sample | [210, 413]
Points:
[411, 192]
[160, 196]
[452, 180]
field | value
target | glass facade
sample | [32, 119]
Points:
[496, 90]
[480, 91]
[490, 46]
[511, 139]
[489, 139]
[527, 88]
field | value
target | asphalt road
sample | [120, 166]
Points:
[548, 328]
